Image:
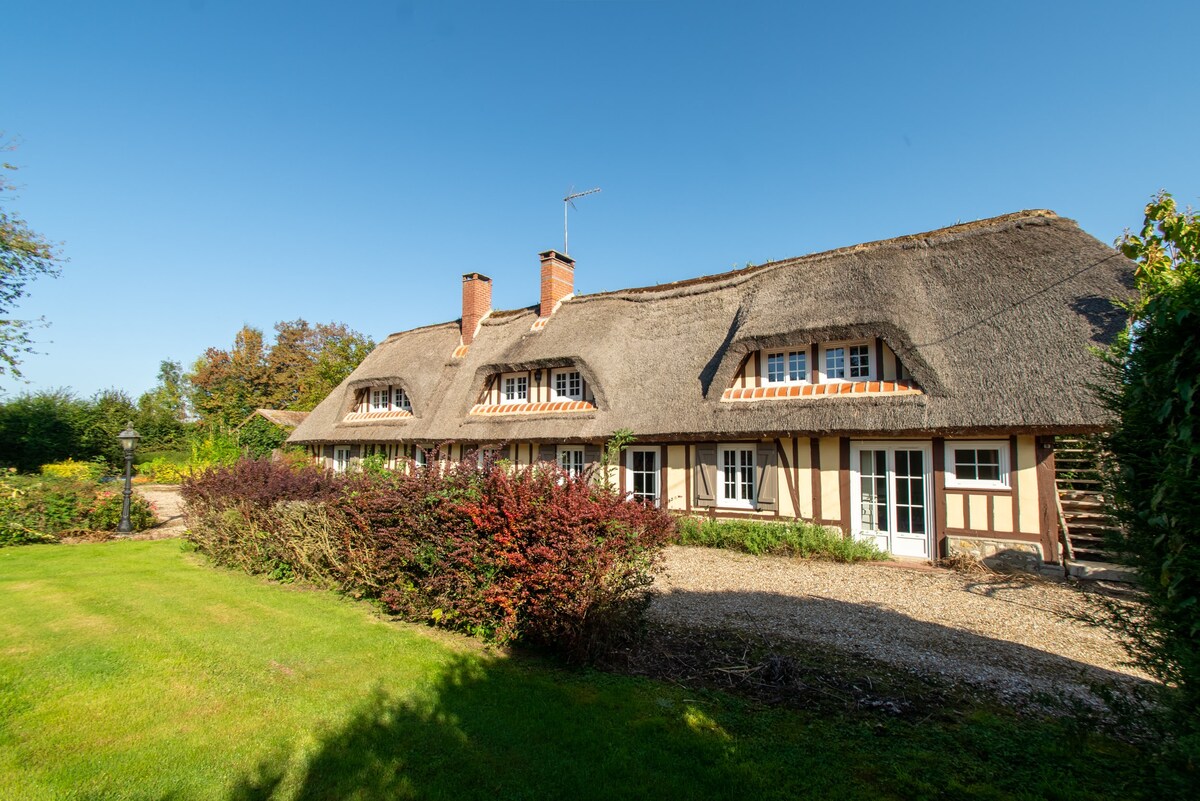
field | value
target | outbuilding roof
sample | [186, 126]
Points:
[996, 321]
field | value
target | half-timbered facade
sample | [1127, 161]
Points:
[907, 391]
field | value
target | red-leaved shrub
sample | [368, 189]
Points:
[523, 555]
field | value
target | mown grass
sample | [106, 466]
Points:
[785, 538]
[133, 670]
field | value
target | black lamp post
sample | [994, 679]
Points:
[129, 440]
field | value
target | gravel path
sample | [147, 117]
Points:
[1013, 636]
[168, 507]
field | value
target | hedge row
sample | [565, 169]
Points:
[524, 556]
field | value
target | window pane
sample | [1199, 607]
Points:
[860, 361]
[775, 368]
[747, 471]
[835, 363]
[797, 366]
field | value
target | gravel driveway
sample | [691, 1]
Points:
[1013, 636]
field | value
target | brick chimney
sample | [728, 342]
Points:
[477, 302]
[558, 280]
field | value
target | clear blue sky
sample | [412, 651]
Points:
[210, 163]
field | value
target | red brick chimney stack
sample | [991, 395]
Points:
[558, 280]
[477, 302]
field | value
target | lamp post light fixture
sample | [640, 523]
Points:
[129, 440]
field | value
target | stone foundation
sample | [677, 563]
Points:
[999, 554]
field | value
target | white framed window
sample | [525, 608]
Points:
[379, 399]
[420, 456]
[787, 367]
[341, 458]
[486, 458]
[570, 459]
[568, 385]
[735, 476]
[642, 464]
[847, 361]
[977, 465]
[515, 389]
[400, 399]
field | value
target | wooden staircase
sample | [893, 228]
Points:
[1083, 509]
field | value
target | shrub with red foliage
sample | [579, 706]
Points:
[259, 483]
[509, 555]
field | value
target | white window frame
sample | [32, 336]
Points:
[420, 456]
[724, 500]
[519, 396]
[566, 373]
[400, 399]
[374, 397]
[787, 354]
[822, 358]
[657, 451]
[571, 459]
[342, 460]
[954, 482]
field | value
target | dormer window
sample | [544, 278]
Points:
[384, 401]
[821, 369]
[536, 391]
[516, 389]
[568, 385]
[787, 367]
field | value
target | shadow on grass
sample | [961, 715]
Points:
[501, 730]
[519, 729]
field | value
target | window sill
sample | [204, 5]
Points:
[531, 408]
[839, 388]
[394, 414]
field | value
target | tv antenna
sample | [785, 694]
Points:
[569, 201]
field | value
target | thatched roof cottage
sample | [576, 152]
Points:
[907, 390]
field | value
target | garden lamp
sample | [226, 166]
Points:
[129, 440]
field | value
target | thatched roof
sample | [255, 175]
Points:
[279, 417]
[994, 319]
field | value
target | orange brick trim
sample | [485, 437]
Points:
[395, 414]
[460, 351]
[532, 408]
[821, 390]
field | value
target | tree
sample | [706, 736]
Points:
[100, 420]
[39, 428]
[1156, 448]
[24, 256]
[305, 363]
[162, 411]
[228, 385]
[308, 361]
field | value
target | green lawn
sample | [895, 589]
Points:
[133, 670]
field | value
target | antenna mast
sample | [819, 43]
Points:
[569, 200]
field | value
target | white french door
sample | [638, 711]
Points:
[891, 487]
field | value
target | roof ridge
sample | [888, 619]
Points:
[501, 316]
[731, 275]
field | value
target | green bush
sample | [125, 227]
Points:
[791, 538]
[41, 508]
[76, 471]
[105, 512]
[1156, 446]
[162, 471]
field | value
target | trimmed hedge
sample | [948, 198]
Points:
[792, 538]
[526, 556]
